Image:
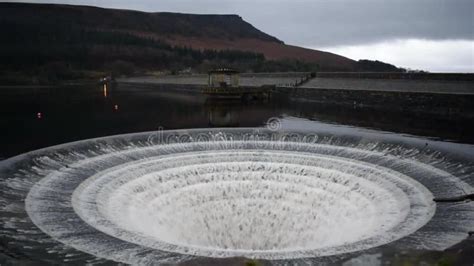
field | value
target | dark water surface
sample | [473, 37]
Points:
[42, 117]
[36, 118]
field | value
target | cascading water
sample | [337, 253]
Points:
[176, 195]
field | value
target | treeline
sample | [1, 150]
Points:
[61, 52]
[52, 52]
[26, 46]
[376, 66]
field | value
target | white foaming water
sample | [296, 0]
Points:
[133, 200]
[255, 203]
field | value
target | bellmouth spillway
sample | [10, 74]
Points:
[284, 196]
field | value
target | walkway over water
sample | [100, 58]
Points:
[385, 82]
[246, 79]
[434, 94]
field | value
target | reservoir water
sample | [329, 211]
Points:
[188, 179]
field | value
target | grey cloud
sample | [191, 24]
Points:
[330, 22]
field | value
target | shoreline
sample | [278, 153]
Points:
[441, 98]
[52, 85]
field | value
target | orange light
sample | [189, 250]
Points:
[105, 90]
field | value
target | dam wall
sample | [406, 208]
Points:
[429, 96]
[246, 79]
[442, 104]
[440, 94]
[392, 85]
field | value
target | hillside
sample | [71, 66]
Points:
[162, 25]
[44, 38]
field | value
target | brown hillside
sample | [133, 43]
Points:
[271, 50]
[218, 32]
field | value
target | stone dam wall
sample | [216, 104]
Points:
[437, 96]
[393, 101]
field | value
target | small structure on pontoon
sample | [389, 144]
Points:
[224, 78]
[225, 83]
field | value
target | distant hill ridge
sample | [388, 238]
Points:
[85, 37]
[163, 24]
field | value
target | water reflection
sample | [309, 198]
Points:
[76, 113]
[221, 116]
[223, 113]
[238, 113]
[105, 90]
[82, 113]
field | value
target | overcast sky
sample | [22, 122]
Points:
[435, 35]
